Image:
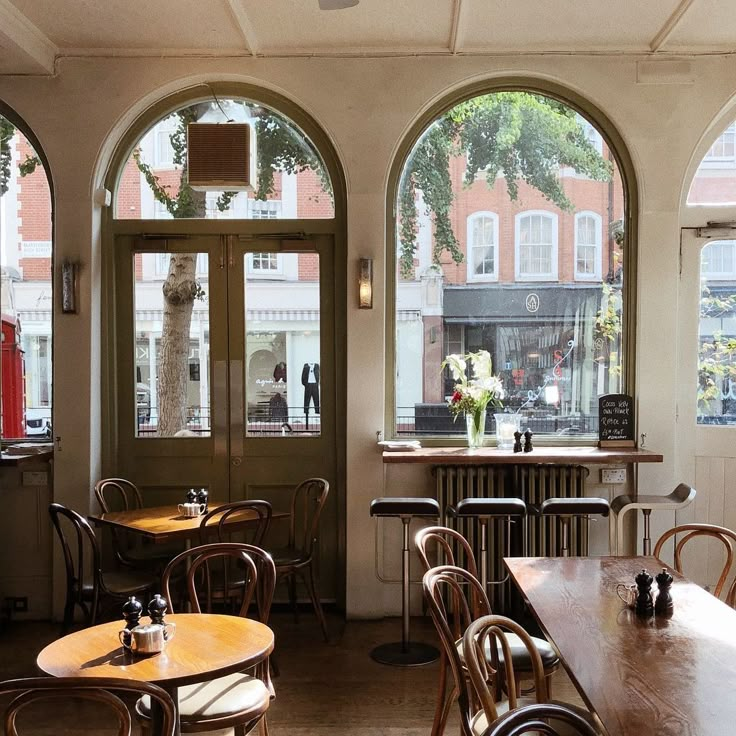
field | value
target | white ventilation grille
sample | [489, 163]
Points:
[219, 156]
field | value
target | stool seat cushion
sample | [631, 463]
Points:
[574, 507]
[405, 507]
[490, 507]
[519, 653]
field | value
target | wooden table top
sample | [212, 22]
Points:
[657, 676]
[493, 456]
[204, 646]
[162, 523]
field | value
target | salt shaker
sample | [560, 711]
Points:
[517, 441]
[663, 605]
[203, 497]
[644, 602]
[157, 609]
[192, 495]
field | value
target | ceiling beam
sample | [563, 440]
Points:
[456, 40]
[670, 24]
[244, 26]
[19, 30]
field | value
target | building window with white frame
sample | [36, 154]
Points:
[718, 261]
[163, 151]
[264, 264]
[587, 246]
[482, 239]
[536, 246]
[723, 150]
[164, 259]
[269, 209]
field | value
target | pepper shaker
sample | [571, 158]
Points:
[528, 441]
[663, 605]
[203, 498]
[517, 441]
[157, 609]
[132, 611]
[644, 603]
[192, 495]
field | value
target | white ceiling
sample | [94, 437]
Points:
[34, 34]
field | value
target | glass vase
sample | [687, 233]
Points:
[475, 423]
[506, 425]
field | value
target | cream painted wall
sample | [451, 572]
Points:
[366, 106]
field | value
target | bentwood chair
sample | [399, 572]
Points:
[688, 532]
[534, 720]
[86, 584]
[488, 677]
[213, 523]
[119, 494]
[455, 599]
[237, 701]
[440, 545]
[297, 558]
[50, 691]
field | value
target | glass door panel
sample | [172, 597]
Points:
[282, 344]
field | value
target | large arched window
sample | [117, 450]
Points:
[510, 239]
[26, 289]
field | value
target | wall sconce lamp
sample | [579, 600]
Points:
[365, 284]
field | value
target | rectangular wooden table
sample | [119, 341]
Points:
[642, 677]
[164, 523]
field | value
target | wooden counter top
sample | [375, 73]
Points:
[494, 456]
[36, 458]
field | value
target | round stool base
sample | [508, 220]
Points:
[414, 655]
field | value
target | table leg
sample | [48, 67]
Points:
[157, 713]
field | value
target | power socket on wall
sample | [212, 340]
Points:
[613, 476]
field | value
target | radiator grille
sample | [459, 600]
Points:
[533, 484]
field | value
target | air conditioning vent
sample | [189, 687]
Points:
[219, 156]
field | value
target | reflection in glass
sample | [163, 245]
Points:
[715, 180]
[172, 393]
[717, 334]
[282, 344]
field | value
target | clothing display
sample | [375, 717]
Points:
[310, 381]
[279, 372]
[278, 408]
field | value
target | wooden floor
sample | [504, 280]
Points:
[323, 689]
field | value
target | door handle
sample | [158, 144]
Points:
[236, 461]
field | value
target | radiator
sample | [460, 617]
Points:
[533, 484]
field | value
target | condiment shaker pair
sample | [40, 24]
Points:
[645, 605]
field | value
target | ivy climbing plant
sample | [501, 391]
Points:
[518, 136]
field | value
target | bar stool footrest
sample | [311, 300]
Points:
[414, 654]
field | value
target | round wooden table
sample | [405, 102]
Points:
[205, 646]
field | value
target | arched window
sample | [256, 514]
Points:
[491, 255]
[536, 246]
[587, 246]
[482, 239]
[26, 288]
[715, 179]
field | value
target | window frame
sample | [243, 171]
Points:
[596, 275]
[470, 246]
[553, 274]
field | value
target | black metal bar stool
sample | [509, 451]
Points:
[405, 653]
[486, 510]
[566, 508]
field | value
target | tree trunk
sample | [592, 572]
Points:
[179, 292]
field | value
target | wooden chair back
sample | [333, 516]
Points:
[126, 495]
[488, 678]
[251, 578]
[692, 531]
[81, 558]
[306, 508]
[533, 719]
[213, 523]
[46, 690]
[455, 598]
[440, 545]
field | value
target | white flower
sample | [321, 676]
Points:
[457, 366]
[482, 364]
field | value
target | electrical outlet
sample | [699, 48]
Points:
[35, 478]
[613, 476]
[20, 604]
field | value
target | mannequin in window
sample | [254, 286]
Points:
[310, 381]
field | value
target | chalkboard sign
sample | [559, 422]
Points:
[616, 421]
